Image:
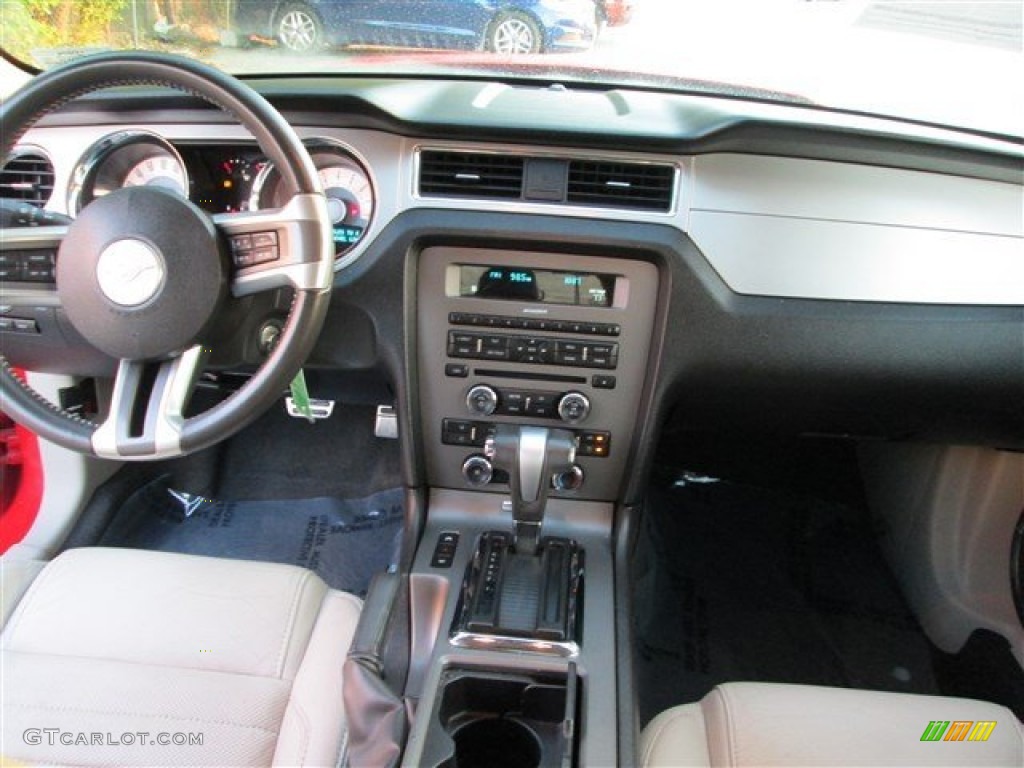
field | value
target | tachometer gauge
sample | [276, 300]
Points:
[350, 198]
[158, 171]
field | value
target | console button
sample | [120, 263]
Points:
[541, 404]
[457, 370]
[597, 444]
[513, 403]
[574, 407]
[457, 427]
[569, 353]
[603, 381]
[602, 355]
[481, 400]
[461, 344]
[444, 550]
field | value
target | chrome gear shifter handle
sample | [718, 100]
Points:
[530, 455]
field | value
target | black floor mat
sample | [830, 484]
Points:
[346, 541]
[742, 583]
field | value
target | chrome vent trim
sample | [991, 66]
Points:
[608, 183]
[470, 174]
[637, 186]
[27, 175]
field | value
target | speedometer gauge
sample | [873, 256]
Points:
[158, 171]
[127, 159]
[349, 202]
[349, 191]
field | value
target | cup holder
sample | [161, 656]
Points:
[496, 742]
[501, 719]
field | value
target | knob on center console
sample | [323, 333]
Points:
[573, 407]
[477, 470]
[570, 480]
[481, 400]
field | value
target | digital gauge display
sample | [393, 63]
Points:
[540, 286]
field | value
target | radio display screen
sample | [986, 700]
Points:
[538, 286]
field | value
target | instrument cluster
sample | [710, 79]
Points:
[223, 178]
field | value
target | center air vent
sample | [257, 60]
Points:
[640, 186]
[470, 174]
[27, 176]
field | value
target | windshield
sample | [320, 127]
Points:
[951, 63]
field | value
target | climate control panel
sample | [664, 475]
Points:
[483, 400]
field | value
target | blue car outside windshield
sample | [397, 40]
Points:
[508, 26]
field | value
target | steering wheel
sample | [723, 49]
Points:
[143, 274]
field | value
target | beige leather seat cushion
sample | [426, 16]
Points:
[115, 641]
[758, 724]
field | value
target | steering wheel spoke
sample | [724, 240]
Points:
[147, 408]
[281, 247]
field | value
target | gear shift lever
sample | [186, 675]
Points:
[530, 455]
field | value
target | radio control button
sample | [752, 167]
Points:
[574, 407]
[481, 400]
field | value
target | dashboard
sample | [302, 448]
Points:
[768, 267]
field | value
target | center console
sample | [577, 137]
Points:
[531, 368]
[528, 338]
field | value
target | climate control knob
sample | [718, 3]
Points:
[477, 470]
[481, 400]
[570, 480]
[573, 407]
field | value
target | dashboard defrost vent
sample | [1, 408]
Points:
[470, 174]
[27, 176]
[641, 186]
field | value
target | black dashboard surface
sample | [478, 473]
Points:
[629, 119]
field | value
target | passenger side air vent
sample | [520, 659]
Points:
[27, 176]
[470, 174]
[640, 186]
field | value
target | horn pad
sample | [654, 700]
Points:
[141, 273]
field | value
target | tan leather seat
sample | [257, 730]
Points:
[110, 652]
[759, 724]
